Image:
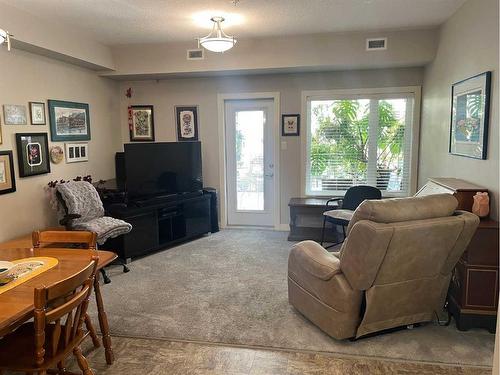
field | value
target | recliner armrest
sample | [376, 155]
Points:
[314, 259]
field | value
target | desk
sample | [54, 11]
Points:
[306, 219]
[16, 304]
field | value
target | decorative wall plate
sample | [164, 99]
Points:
[56, 154]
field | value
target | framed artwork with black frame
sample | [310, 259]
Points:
[290, 125]
[7, 176]
[186, 118]
[141, 123]
[470, 113]
[32, 154]
[69, 121]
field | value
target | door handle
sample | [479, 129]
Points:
[269, 174]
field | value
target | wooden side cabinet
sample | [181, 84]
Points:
[473, 294]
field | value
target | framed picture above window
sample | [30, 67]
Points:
[37, 113]
[470, 109]
[141, 123]
[14, 114]
[7, 177]
[187, 123]
[361, 137]
[77, 152]
[32, 154]
[69, 121]
[290, 125]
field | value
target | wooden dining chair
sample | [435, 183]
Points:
[56, 330]
[86, 240]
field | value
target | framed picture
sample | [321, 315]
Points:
[37, 113]
[187, 123]
[69, 121]
[76, 152]
[290, 125]
[141, 123]
[32, 154]
[7, 177]
[14, 114]
[470, 112]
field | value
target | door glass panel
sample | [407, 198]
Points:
[250, 160]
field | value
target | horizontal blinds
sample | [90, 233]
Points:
[357, 141]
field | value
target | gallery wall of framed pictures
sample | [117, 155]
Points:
[65, 122]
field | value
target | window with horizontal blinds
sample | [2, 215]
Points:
[359, 140]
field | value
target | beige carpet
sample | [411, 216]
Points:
[231, 288]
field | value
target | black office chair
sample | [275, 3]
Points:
[353, 197]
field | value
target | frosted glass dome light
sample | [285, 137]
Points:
[217, 40]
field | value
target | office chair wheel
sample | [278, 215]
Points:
[125, 269]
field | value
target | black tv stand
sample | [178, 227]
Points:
[159, 199]
[160, 223]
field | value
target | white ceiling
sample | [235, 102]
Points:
[152, 21]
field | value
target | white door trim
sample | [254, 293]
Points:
[221, 98]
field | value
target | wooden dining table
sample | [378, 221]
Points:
[16, 304]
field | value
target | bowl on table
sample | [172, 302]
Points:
[5, 268]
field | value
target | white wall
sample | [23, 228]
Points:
[468, 45]
[27, 77]
[165, 94]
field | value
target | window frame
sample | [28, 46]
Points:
[383, 93]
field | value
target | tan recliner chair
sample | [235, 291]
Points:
[394, 268]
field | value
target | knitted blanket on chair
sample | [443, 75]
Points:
[81, 198]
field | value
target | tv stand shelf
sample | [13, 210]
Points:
[160, 224]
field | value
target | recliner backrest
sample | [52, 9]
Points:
[391, 251]
[404, 209]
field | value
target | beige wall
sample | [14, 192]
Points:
[334, 51]
[57, 40]
[27, 77]
[164, 95]
[468, 46]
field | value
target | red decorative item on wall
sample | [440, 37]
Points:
[128, 93]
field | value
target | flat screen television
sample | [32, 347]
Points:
[164, 168]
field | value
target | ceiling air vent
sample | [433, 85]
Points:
[376, 44]
[195, 54]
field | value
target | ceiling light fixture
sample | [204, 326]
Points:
[5, 38]
[217, 40]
